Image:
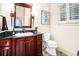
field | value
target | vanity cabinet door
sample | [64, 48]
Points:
[29, 46]
[5, 47]
[39, 45]
[20, 46]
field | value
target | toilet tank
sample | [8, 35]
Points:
[46, 36]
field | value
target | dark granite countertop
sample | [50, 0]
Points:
[19, 36]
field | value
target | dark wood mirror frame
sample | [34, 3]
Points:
[26, 6]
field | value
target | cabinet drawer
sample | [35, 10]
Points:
[5, 43]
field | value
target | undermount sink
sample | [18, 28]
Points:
[23, 34]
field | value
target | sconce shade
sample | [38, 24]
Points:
[32, 17]
[11, 14]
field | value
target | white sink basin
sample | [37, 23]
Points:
[23, 34]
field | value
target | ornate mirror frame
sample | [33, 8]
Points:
[26, 6]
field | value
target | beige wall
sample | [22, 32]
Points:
[37, 13]
[66, 35]
[5, 12]
[0, 18]
[0, 8]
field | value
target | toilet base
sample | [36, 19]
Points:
[51, 51]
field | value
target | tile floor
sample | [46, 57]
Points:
[57, 52]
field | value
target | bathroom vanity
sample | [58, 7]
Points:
[21, 46]
[18, 45]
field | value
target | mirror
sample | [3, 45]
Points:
[22, 16]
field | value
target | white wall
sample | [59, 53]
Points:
[6, 12]
[0, 18]
[37, 14]
[66, 35]
[0, 8]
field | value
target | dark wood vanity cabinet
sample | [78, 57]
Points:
[5, 47]
[24, 46]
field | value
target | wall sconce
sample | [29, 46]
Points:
[11, 7]
[12, 20]
[12, 14]
[33, 20]
[32, 17]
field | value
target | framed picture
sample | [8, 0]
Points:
[45, 17]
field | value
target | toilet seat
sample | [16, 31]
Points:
[51, 43]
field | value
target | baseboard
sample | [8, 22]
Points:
[68, 53]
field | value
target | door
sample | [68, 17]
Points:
[20, 47]
[39, 45]
[29, 46]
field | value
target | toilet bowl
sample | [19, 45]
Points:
[49, 45]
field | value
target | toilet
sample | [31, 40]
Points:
[49, 45]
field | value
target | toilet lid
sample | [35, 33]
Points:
[51, 43]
